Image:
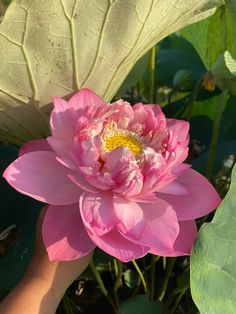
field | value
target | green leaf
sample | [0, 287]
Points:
[212, 36]
[176, 53]
[183, 280]
[213, 260]
[102, 260]
[183, 80]
[223, 151]
[204, 113]
[224, 72]
[228, 126]
[140, 304]
[130, 278]
[56, 47]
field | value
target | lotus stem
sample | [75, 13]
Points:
[193, 98]
[170, 267]
[152, 275]
[140, 275]
[119, 268]
[101, 285]
[174, 308]
[152, 60]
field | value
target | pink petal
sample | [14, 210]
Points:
[175, 158]
[201, 199]
[184, 241]
[180, 128]
[64, 234]
[161, 226]
[63, 151]
[39, 175]
[33, 146]
[174, 188]
[118, 246]
[88, 151]
[97, 212]
[86, 102]
[181, 169]
[124, 170]
[119, 111]
[156, 119]
[100, 180]
[117, 157]
[154, 172]
[140, 118]
[63, 119]
[130, 217]
[82, 183]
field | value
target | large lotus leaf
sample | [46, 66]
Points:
[213, 36]
[213, 260]
[55, 47]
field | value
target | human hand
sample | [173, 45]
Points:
[44, 282]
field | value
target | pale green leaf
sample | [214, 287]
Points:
[213, 36]
[213, 260]
[130, 278]
[56, 47]
[224, 72]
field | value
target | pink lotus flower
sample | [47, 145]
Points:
[114, 178]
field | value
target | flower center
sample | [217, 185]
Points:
[122, 138]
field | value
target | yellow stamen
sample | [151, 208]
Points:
[123, 138]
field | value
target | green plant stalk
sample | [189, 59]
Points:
[174, 308]
[145, 274]
[164, 262]
[101, 285]
[115, 267]
[193, 97]
[152, 59]
[149, 266]
[136, 288]
[215, 133]
[170, 267]
[174, 294]
[119, 268]
[154, 259]
[145, 270]
[140, 275]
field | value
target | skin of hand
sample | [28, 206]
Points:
[44, 283]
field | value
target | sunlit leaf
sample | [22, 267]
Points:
[224, 72]
[214, 35]
[130, 278]
[56, 47]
